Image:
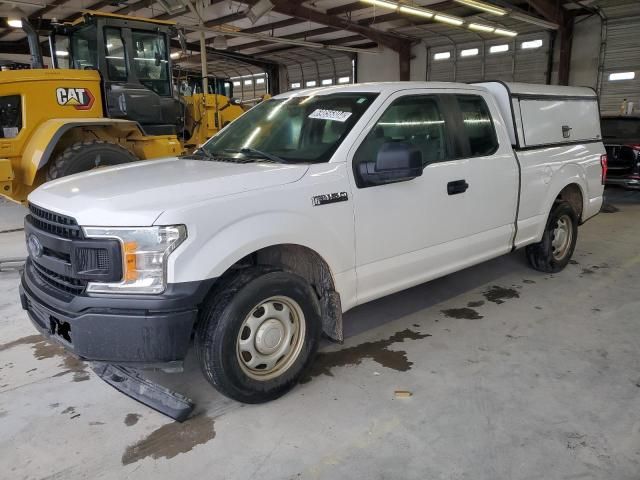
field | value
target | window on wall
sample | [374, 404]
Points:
[344, 79]
[477, 125]
[295, 85]
[499, 48]
[311, 83]
[248, 82]
[470, 52]
[413, 119]
[259, 81]
[622, 76]
[531, 44]
[115, 55]
[442, 56]
[327, 81]
[236, 83]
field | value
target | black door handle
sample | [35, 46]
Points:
[457, 186]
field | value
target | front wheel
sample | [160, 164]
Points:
[554, 251]
[258, 334]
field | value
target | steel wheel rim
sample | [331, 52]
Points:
[562, 237]
[270, 338]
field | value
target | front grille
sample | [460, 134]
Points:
[61, 225]
[61, 282]
[91, 259]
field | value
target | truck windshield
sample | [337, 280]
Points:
[296, 129]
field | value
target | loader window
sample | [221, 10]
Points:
[150, 61]
[115, 54]
[84, 49]
[61, 43]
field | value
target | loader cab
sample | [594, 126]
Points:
[192, 85]
[132, 56]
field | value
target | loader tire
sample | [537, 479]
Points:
[84, 156]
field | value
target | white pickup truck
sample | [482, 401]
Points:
[311, 203]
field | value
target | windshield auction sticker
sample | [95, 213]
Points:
[334, 115]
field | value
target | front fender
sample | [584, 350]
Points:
[46, 136]
[203, 256]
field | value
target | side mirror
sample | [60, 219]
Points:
[395, 162]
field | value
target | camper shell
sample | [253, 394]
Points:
[539, 116]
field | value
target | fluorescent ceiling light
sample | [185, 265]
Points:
[175, 55]
[481, 28]
[62, 53]
[448, 19]
[258, 10]
[622, 76]
[382, 3]
[420, 12]
[531, 44]
[485, 7]
[506, 33]
[470, 52]
[14, 18]
[499, 48]
[442, 56]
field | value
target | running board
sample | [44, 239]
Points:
[132, 384]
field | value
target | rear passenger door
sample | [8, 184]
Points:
[460, 211]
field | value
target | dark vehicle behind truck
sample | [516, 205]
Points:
[621, 137]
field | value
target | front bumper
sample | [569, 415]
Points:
[141, 330]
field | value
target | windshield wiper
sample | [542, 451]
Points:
[258, 153]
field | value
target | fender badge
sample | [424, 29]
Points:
[329, 198]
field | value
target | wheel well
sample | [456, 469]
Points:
[311, 266]
[573, 195]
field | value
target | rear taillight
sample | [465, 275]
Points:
[603, 164]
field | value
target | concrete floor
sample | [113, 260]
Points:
[541, 380]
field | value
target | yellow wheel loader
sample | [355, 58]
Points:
[109, 99]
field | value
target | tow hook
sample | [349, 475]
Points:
[132, 384]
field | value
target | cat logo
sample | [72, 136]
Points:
[79, 98]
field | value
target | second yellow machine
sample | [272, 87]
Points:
[109, 100]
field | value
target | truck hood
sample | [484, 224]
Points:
[136, 194]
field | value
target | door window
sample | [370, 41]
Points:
[150, 61]
[84, 49]
[477, 125]
[116, 61]
[413, 119]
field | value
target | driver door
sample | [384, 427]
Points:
[411, 231]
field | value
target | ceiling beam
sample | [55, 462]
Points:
[293, 36]
[294, 9]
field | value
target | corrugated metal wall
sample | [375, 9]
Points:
[515, 64]
[622, 54]
[313, 68]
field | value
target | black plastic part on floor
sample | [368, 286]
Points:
[153, 395]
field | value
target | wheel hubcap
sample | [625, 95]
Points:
[562, 237]
[271, 338]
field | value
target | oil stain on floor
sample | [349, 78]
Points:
[43, 349]
[462, 313]
[131, 419]
[378, 351]
[498, 294]
[171, 439]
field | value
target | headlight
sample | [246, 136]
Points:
[144, 257]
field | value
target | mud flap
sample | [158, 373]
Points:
[153, 395]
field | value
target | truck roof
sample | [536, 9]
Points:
[514, 88]
[379, 87]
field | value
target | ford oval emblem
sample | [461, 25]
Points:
[34, 246]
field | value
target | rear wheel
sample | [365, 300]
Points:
[258, 333]
[558, 242]
[83, 156]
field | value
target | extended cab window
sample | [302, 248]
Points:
[478, 125]
[115, 57]
[415, 120]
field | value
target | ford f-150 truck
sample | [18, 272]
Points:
[311, 203]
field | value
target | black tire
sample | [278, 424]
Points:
[83, 156]
[227, 310]
[543, 256]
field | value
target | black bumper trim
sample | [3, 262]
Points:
[136, 330]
